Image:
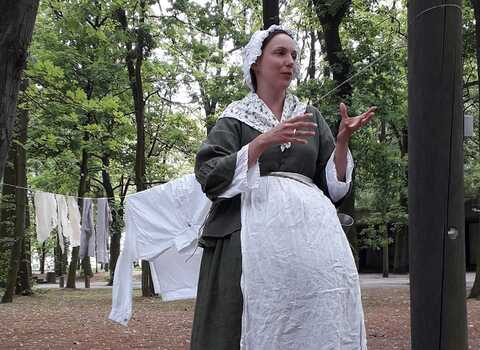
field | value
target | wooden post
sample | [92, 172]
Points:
[436, 201]
[270, 13]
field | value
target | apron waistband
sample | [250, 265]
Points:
[294, 176]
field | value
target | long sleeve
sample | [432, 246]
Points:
[122, 289]
[244, 178]
[326, 173]
[326, 146]
[217, 158]
[338, 189]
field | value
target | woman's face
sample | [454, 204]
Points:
[274, 68]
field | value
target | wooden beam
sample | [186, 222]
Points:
[436, 208]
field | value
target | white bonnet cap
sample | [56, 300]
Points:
[253, 50]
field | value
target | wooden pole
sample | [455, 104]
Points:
[436, 201]
[270, 13]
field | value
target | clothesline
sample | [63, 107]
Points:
[68, 195]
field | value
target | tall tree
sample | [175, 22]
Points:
[20, 207]
[331, 14]
[17, 19]
[136, 48]
[24, 278]
[270, 13]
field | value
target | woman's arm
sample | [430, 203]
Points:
[295, 130]
[216, 159]
[348, 125]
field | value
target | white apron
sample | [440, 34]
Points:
[299, 281]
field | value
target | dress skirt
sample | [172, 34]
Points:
[288, 281]
[218, 309]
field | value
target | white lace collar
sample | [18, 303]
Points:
[252, 111]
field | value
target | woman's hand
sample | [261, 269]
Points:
[294, 130]
[348, 125]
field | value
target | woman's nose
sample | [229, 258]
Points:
[290, 60]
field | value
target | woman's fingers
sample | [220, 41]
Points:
[302, 133]
[343, 110]
[300, 118]
[302, 141]
[302, 125]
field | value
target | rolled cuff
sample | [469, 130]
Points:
[338, 189]
[245, 178]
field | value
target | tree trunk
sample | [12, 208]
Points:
[270, 13]
[43, 253]
[58, 258]
[116, 232]
[134, 60]
[24, 286]
[400, 264]
[7, 215]
[475, 291]
[311, 61]
[82, 189]
[331, 14]
[436, 203]
[17, 19]
[24, 281]
[20, 209]
[385, 264]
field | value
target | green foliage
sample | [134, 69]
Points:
[80, 96]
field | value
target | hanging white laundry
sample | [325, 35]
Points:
[87, 233]
[163, 217]
[45, 214]
[62, 219]
[74, 219]
[175, 274]
[104, 219]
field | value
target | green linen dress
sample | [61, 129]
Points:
[218, 309]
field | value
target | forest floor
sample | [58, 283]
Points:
[76, 319]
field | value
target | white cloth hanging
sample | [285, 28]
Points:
[74, 220]
[175, 274]
[102, 224]
[45, 214]
[62, 219]
[87, 233]
[165, 217]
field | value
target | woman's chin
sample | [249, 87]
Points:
[284, 84]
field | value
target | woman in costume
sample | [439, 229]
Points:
[277, 271]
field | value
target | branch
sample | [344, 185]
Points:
[470, 84]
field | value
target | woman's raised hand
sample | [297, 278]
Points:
[348, 125]
[294, 130]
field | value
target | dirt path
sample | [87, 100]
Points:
[66, 319]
